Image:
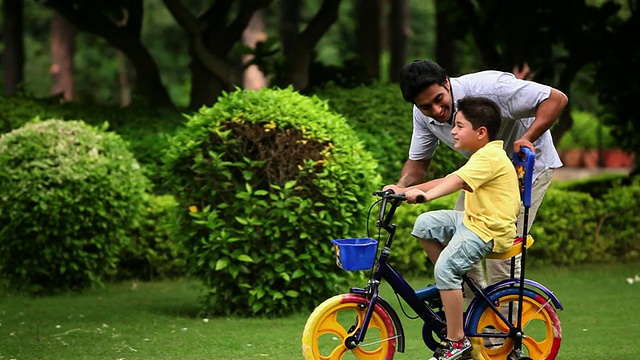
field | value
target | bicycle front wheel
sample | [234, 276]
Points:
[333, 321]
[541, 326]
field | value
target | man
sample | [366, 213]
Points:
[456, 240]
[528, 111]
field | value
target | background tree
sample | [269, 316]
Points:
[13, 50]
[511, 33]
[399, 32]
[62, 54]
[617, 81]
[120, 23]
[368, 14]
[255, 32]
[212, 35]
[298, 58]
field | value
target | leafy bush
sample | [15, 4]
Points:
[564, 229]
[154, 253]
[383, 120]
[69, 193]
[264, 179]
[146, 130]
[587, 132]
[619, 221]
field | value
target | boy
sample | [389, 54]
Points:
[456, 240]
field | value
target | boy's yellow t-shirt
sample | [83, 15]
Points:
[492, 206]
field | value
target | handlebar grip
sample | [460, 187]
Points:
[420, 199]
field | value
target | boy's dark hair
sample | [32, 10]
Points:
[481, 111]
[419, 75]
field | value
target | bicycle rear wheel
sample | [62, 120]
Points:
[337, 318]
[541, 326]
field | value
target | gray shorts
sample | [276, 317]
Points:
[462, 247]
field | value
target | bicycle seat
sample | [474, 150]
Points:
[515, 249]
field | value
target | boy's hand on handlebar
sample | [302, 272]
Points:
[415, 196]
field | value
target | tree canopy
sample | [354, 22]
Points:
[186, 52]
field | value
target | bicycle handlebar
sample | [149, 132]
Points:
[389, 194]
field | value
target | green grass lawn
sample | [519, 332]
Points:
[158, 321]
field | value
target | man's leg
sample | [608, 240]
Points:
[500, 269]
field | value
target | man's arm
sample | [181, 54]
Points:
[413, 172]
[548, 111]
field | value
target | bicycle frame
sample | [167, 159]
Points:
[383, 270]
[487, 310]
[416, 299]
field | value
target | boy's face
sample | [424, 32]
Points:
[435, 101]
[464, 136]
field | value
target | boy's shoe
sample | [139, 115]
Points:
[454, 350]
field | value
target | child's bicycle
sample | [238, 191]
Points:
[512, 319]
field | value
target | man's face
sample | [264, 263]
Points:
[436, 102]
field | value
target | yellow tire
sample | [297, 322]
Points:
[333, 321]
[541, 327]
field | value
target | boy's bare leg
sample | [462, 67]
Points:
[452, 302]
[432, 248]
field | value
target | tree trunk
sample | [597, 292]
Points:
[205, 87]
[368, 36]
[123, 33]
[289, 25]
[124, 80]
[13, 51]
[399, 31]
[62, 52]
[445, 38]
[254, 33]
[302, 53]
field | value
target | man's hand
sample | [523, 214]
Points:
[523, 72]
[522, 142]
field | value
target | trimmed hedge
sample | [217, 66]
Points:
[264, 179]
[145, 129]
[69, 195]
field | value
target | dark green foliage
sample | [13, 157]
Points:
[619, 221]
[69, 193]
[384, 122]
[154, 253]
[587, 132]
[264, 180]
[564, 229]
[145, 129]
[575, 227]
[596, 186]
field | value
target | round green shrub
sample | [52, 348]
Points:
[69, 194]
[154, 253]
[264, 180]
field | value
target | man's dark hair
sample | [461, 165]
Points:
[419, 75]
[481, 111]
